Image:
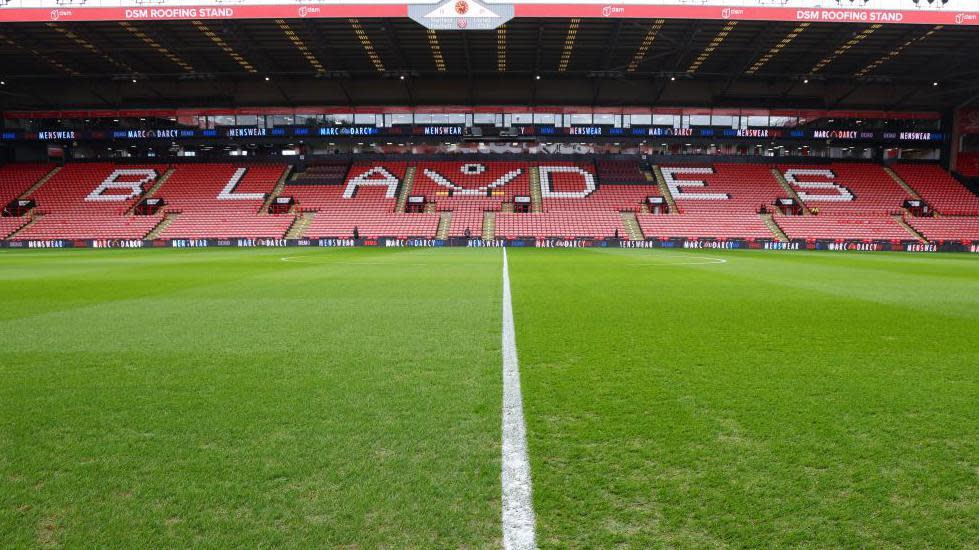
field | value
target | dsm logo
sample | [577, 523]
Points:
[728, 13]
[609, 11]
[962, 18]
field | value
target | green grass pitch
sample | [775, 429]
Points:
[351, 398]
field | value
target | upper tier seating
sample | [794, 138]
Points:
[847, 189]
[741, 188]
[571, 187]
[946, 228]
[560, 224]
[842, 228]
[15, 179]
[623, 172]
[717, 201]
[967, 164]
[223, 201]
[475, 186]
[322, 173]
[939, 189]
[718, 225]
[368, 186]
[89, 201]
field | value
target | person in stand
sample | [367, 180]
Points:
[356, 233]
[616, 233]
[467, 233]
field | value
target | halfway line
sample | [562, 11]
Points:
[518, 507]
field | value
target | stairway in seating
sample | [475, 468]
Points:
[300, 224]
[632, 226]
[37, 185]
[774, 228]
[911, 231]
[489, 225]
[445, 220]
[160, 227]
[34, 219]
[156, 187]
[900, 181]
[405, 190]
[780, 178]
[277, 190]
[536, 200]
[663, 188]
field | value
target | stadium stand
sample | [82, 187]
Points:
[341, 223]
[729, 188]
[371, 186]
[90, 201]
[842, 227]
[700, 225]
[968, 164]
[471, 186]
[939, 189]
[223, 201]
[946, 228]
[562, 224]
[622, 172]
[15, 180]
[366, 200]
[322, 173]
[615, 196]
[846, 189]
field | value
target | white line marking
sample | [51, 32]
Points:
[707, 260]
[298, 260]
[518, 506]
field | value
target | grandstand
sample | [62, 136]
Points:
[843, 201]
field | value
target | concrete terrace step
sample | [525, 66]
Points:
[489, 225]
[774, 228]
[161, 227]
[632, 226]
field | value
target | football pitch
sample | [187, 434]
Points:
[353, 397]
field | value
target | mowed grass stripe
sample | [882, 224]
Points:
[822, 400]
[227, 398]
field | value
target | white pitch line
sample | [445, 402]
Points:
[518, 507]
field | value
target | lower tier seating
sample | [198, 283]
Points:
[841, 228]
[721, 225]
[75, 226]
[225, 225]
[463, 219]
[9, 225]
[948, 228]
[560, 224]
[341, 223]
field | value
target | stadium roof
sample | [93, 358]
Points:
[578, 61]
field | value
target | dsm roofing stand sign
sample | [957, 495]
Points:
[461, 15]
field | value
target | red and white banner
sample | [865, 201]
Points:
[11, 14]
